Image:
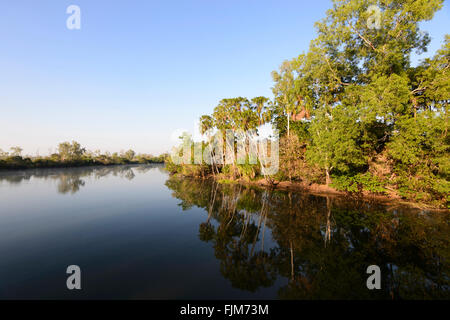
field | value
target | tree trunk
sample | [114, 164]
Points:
[328, 181]
[288, 116]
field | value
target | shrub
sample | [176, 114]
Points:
[358, 183]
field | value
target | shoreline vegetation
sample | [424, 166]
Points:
[392, 199]
[73, 155]
[353, 113]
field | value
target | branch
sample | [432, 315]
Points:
[418, 89]
[364, 39]
[334, 74]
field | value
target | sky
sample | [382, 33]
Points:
[139, 72]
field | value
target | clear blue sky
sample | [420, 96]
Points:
[139, 70]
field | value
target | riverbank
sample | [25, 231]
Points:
[391, 198]
[19, 163]
[319, 189]
[72, 155]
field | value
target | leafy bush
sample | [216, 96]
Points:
[358, 183]
[424, 189]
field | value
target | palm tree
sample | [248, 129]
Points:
[206, 125]
[262, 109]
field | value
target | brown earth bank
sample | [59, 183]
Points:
[392, 198]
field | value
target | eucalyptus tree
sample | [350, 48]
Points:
[355, 70]
[284, 89]
[369, 66]
[303, 93]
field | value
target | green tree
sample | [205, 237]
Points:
[16, 151]
[206, 123]
[366, 113]
[284, 90]
[70, 151]
[420, 148]
[362, 89]
[129, 155]
[334, 141]
[262, 107]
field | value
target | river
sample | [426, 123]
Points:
[137, 233]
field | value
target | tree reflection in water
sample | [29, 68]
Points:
[321, 246]
[70, 180]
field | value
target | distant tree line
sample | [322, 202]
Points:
[72, 154]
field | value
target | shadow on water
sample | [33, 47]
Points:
[321, 245]
[71, 180]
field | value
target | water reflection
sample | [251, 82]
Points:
[71, 180]
[320, 245]
[264, 244]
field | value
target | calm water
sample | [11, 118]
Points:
[138, 234]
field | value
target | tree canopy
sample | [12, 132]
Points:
[360, 109]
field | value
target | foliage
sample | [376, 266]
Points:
[358, 183]
[334, 140]
[70, 151]
[73, 155]
[354, 108]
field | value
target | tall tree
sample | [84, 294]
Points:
[284, 89]
[334, 133]
[70, 151]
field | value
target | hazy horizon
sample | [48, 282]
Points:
[139, 72]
